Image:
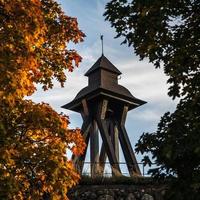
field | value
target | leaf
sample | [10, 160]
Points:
[35, 138]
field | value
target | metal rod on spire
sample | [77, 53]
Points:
[102, 43]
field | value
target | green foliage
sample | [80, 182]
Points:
[176, 149]
[167, 33]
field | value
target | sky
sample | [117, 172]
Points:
[140, 77]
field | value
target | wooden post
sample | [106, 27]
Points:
[116, 141]
[103, 155]
[85, 111]
[94, 149]
[106, 138]
[102, 160]
[126, 146]
[79, 160]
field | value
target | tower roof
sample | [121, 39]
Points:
[103, 63]
[108, 88]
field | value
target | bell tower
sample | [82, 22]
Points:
[104, 105]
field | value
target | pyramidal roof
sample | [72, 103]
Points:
[96, 90]
[103, 63]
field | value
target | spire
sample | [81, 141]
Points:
[102, 43]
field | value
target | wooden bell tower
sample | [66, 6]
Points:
[103, 105]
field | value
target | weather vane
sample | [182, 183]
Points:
[102, 43]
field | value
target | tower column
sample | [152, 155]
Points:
[115, 140]
[126, 145]
[106, 139]
[103, 105]
[94, 149]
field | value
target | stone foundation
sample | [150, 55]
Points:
[144, 190]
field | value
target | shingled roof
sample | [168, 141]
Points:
[108, 88]
[103, 63]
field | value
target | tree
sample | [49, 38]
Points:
[34, 138]
[167, 33]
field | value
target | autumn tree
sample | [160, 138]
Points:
[167, 33]
[34, 35]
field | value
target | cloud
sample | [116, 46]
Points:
[140, 77]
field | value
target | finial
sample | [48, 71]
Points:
[102, 43]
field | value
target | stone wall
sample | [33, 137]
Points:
[116, 191]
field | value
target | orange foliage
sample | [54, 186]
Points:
[34, 138]
[34, 36]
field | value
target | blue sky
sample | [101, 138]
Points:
[140, 77]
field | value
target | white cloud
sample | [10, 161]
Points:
[140, 77]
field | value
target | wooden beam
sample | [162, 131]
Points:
[94, 149]
[79, 160]
[123, 115]
[115, 139]
[128, 152]
[102, 160]
[126, 145]
[85, 108]
[102, 109]
[106, 138]
[103, 155]
[113, 133]
[85, 132]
